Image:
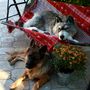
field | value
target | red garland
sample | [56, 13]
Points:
[44, 39]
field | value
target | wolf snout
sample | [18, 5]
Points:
[62, 37]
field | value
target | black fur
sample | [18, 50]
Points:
[35, 57]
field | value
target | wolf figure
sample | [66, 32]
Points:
[53, 23]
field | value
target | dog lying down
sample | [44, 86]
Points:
[53, 23]
[36, 59]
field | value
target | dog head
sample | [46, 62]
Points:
[36, 55]
[65, 28]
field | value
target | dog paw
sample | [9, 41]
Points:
[13, 86]
[9, 60]
[36, 86]
[16, 84]
[71, 39]
[11, 63]
[76, 41]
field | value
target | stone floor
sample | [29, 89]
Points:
[17, 41]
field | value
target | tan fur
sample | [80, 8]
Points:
[41, 80]
[39, 72]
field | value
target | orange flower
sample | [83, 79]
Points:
[70, 54]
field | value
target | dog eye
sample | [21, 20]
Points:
[59, 29]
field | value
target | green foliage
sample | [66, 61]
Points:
[78, 2]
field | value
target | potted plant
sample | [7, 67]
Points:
[67, 59]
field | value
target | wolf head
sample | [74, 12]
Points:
[65, 28]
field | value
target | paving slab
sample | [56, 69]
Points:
[62, 89]
[3, 50]
[4, 57]
[16, 73]
[79, 84]
[4, 65]
[7, 41]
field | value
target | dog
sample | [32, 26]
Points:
[53, 23]
[36, 65]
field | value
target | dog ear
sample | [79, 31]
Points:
[43, 50]
[28, 49]
[70, 20]
[32, 43]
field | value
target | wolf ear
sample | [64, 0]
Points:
[70, 20]
[43, 50]
[32, 43]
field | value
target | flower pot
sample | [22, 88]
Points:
[66, 70]
[63, 76]
[63, 79]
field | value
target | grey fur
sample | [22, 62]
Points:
[45, 21]
[54, 24]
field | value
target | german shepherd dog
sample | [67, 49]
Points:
[37, 68]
